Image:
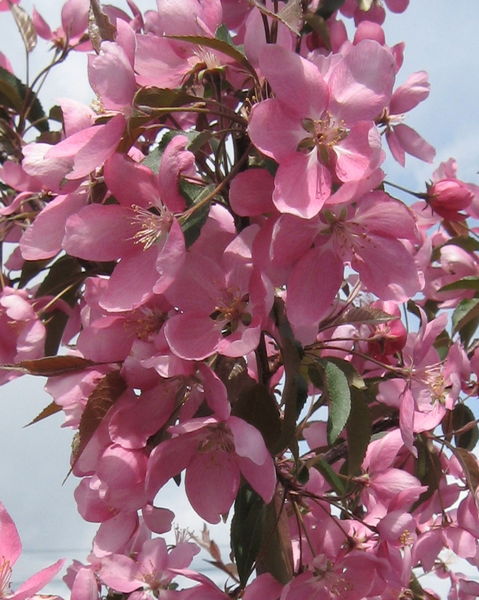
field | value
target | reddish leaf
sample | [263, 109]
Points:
[50, 365]
[48, 411]
[99, 402]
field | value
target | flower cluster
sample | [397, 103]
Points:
[211, 270]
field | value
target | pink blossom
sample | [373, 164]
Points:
[10, 550]
[150, 570]
[327, 128]
[215, 454]
[21, 331]
[226, 312]
[365, 235]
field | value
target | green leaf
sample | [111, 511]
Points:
[275, 556]
[359, 428]
[246, 531]
[30, 269]
[467, 283]
[466, 243]
[442, 344]
[223, 34]
[194, 194]
[317, 23]
[336, 482]
[220, 46]
[463, 419]
[152, 97]
[327, 8]
[337, 391]
[257, 407]
[15, 95]
[354, 378]
[466, 311]
[428, 467]
[294, 384]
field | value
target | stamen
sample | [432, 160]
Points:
[153, 227]
[5, 575]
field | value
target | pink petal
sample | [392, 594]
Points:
[212, 481]
[157, 63]
[120, 573]
[193, 336]
[387, 268]
[167, 460]
[361, 84]
[43, 239]
[360, 150]
[248, 441]
[135, 419]
[312, 288]
[75, 17]
[132, 281]
[10, 545]
[36, 582]
[85, 586]
[274, 141]
[414, 144]
[215, 392]
[170, 258]
[251, 193]
[100, 232]
[156, 519]
[302, 185]
[410, 94]
[111, 77]
[76, 116]
[113, 535]
[175, 161]
[106, 340]
[395, 147]
[130, 182]
[90, 147]
[297, 82]
[262, 478]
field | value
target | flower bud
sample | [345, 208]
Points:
[448, 196]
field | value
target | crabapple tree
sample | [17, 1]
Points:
[213, 273]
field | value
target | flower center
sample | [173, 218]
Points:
[432, 377]
[324, 134]
[5, 575]
[219, 438]
[153, 225]
[231, 310]
[145, 321]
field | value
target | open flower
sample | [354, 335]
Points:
[10, 550]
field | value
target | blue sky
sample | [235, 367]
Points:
[35, 460]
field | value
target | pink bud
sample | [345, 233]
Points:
[449, 196]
